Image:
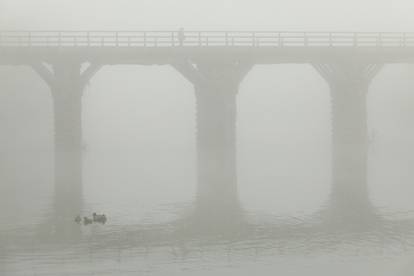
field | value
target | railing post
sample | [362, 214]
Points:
[355, 40]
[145, 39]
[377, 40]
[116, 39]
[280, 40]
[380, 40]
[305, 39]
[404, 40]
[172, 39]
[330, 39]
[253, 35]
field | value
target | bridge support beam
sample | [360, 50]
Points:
[349, 82]
[216, 85]
[66, 82]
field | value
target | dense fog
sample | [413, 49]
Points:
[288, 174]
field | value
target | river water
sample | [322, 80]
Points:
[152, 230]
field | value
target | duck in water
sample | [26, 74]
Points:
[87, 221]
[99, 218]
[78, 219]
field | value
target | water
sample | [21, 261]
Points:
[153, 233]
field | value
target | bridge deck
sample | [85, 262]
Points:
[159, 47]
[204, 38]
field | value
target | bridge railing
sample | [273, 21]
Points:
[202, 39]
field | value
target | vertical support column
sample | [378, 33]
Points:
[216, 85]
[349, 83]
[349, 146]
[216, 146]
[67, 106]
[67, 81]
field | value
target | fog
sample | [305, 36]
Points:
[368, 15]
[226, 159]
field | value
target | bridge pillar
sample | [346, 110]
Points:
[66, 82]
[216, 85]
[349, 83]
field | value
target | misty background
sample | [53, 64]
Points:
[139, 121]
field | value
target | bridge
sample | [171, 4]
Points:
[215, 62]
[203, 39]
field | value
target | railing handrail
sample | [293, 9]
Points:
[159, 38]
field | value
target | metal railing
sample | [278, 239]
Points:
[202, 39]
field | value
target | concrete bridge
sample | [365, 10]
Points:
[215, 63]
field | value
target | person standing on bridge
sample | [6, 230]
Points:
[181, 36]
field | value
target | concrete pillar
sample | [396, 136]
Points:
[349, 145]
[216, 85]
[349, 82]
[216, 145]
[67, 81]
[67, 106]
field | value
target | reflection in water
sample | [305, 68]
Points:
[68, 197]
[198, 233]
[213, 233]
[188, 240]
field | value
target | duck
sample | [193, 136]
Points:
[87, 221]
[78, 219]
[99, 218]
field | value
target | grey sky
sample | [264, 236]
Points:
[365, 15]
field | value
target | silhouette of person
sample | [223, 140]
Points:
[181, 36]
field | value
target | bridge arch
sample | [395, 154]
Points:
[140, 129]
[283, 139]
